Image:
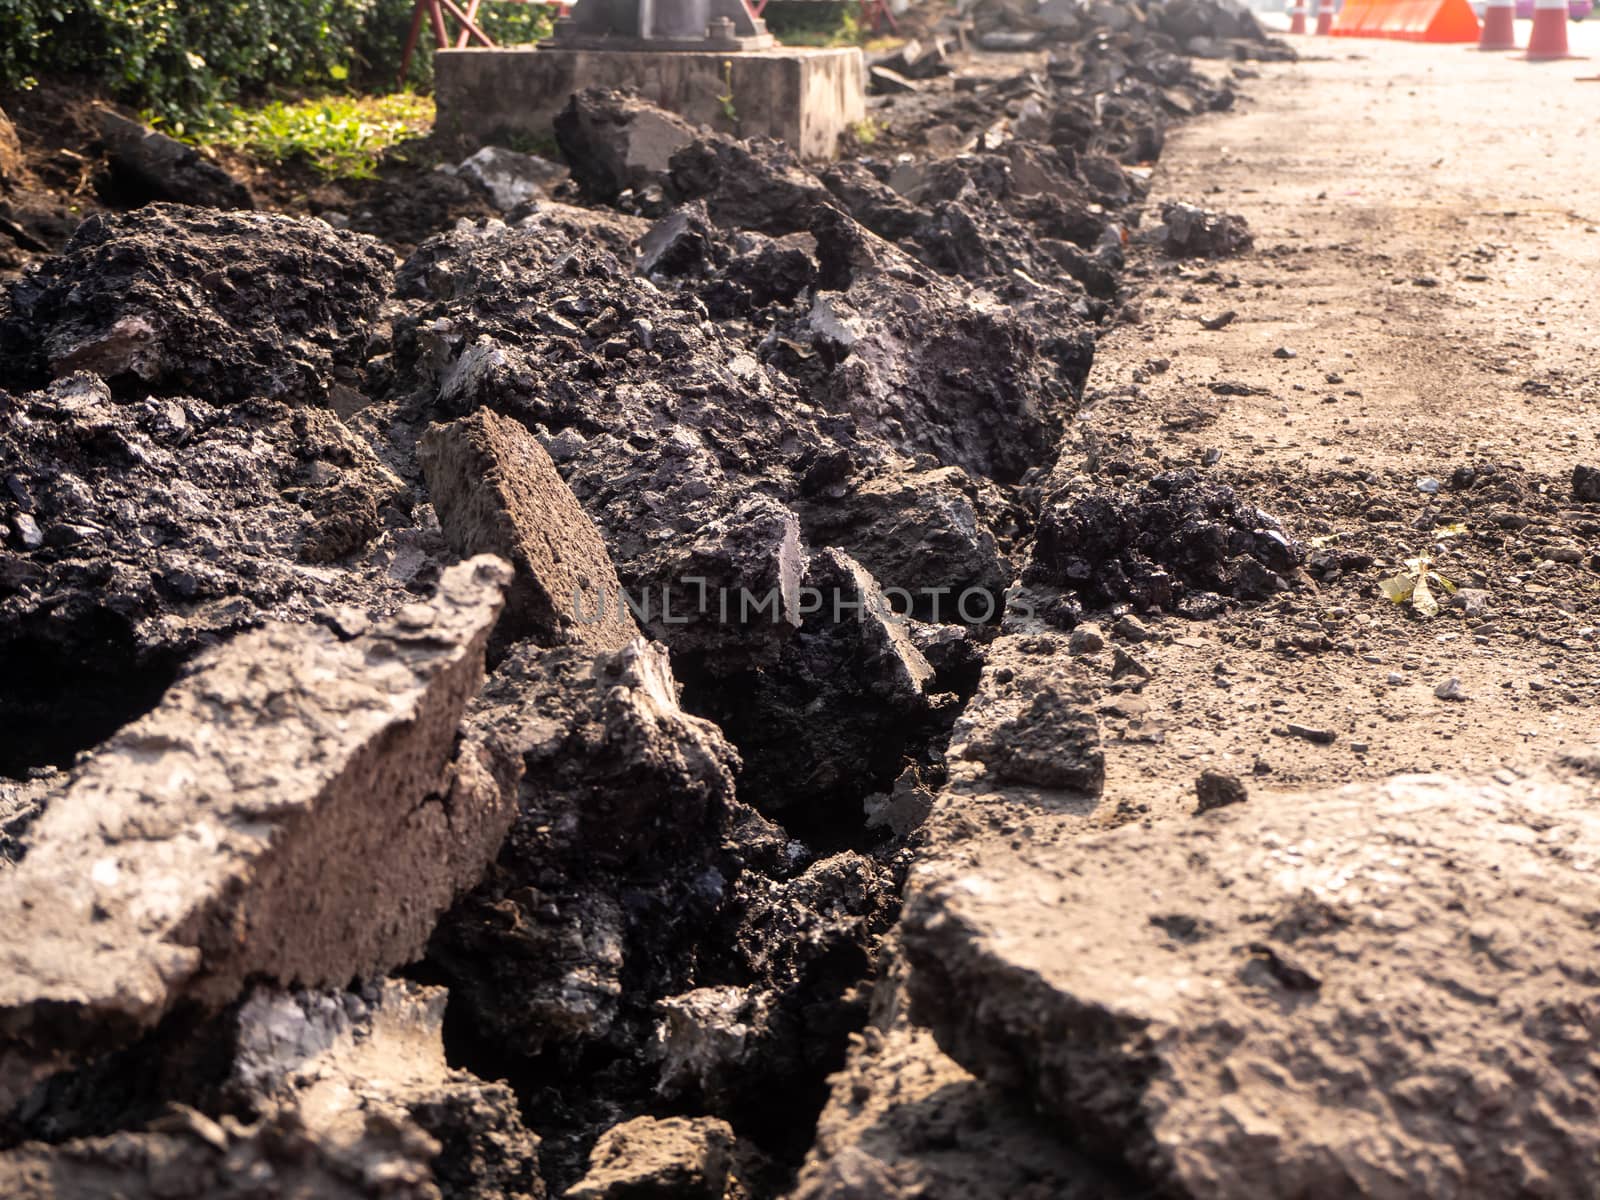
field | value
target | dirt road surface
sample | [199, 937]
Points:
[1420, 307]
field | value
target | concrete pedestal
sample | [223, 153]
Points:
[808, 98]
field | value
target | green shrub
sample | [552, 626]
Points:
[814, 23]
[187, 60]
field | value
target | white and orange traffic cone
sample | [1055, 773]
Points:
[1297, 17]
[1324, 17]
[1549, 37]
[1499, 33]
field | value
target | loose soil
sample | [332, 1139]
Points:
[1425, 249]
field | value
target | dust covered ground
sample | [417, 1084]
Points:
[1052, 657]
[1426, 224]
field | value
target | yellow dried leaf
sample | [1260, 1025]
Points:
[1398, 587]
[1422, 599]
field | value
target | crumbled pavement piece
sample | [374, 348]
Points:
[457, 263]
[731, 593]
[930, 371]
[675, 1158]
[905, 1122]
[147, 165]
[1178, 543]
[696, 469]
[289, 304]
[497, 492]
[811, 943]
[615, 141]
[1216, 789]
[1296, 911]
[508, 177]
[1031, 723]
[1586, 484]
[1190, 232]
[757, 185]
[706, 1036]
[678, 243]
[620, 790]
[306, 1053]
[166, 525]
[633, 875]
[1223, 20]
[927, 535]
[291, 811]
[417, 1129]
[837, 712]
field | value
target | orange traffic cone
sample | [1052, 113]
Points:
[1297, 17]
[1324, 17]
[1549, 37]
[1498, 31]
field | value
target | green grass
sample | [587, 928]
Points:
[343, 137]
[815, 24]
[866, 131]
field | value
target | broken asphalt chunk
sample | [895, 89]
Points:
[1298, 996]
[497, 492]
[286, 303]
[291, 811]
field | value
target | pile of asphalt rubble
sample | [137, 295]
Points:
[467, 722]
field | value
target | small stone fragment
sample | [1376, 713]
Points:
[1130, 628]
[676, 1158]
[1087, 639]
[1124, 665]
[1190, 232]
[1216, 789]
[1320, 735]
[1586, 484]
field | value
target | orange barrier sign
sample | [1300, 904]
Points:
[1408, 20]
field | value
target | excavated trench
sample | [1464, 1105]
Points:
[812, 420]
[70, 687]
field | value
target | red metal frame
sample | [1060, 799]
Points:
[878, 15]
[435, 12]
